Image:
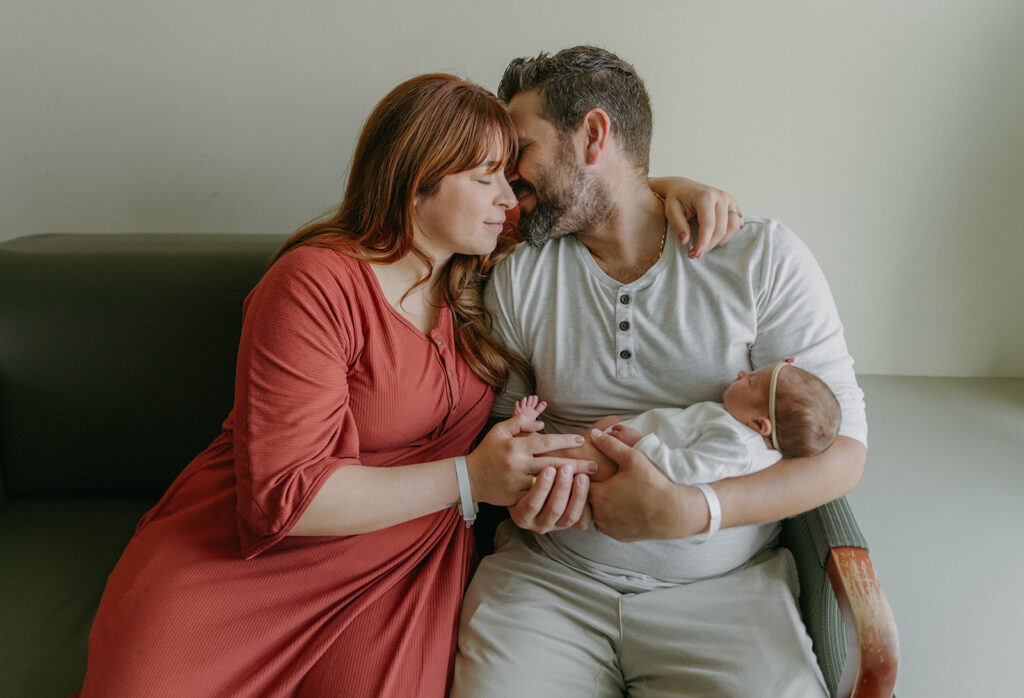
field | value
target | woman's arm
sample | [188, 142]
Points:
[296, 441]
[359, 499]
[686, 199]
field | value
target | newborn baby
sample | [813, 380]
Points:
[764, 415]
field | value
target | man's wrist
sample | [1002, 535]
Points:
[675, 517]
[692, 515]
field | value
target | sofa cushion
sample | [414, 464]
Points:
[117, 359]
[55, 556]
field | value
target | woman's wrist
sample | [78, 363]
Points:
[473, 472]
[467, 503]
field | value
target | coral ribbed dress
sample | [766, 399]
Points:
[211, 598]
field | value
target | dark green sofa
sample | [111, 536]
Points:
[116, 367]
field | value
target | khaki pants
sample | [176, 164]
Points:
[532, 626]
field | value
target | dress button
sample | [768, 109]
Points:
[625, 353]
[451, 372]
[624, 299]
[623, 325]
[439, 341]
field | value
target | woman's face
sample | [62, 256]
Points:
[466, 212]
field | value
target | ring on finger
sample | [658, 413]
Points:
[533, 481]
[735, 212]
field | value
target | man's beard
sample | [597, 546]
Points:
[567, 201]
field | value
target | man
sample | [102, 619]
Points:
[616, 318]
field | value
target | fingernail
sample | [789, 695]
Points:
[566, 471]
[591, 468]
[548, 474]
[595, 434]
[579, 440]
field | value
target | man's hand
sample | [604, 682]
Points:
[639, 502]
[686, 199]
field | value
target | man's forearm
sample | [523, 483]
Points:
[792, 486]
[641, 503]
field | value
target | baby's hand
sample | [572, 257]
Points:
[530, 406]
[627, 435]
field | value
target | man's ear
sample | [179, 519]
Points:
[596, 128]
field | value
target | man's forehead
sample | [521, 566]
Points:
[525, 105]
[524, 108]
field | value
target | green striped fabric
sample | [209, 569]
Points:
[810, 537]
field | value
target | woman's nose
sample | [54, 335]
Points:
[506, 197]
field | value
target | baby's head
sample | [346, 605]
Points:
[806, 419]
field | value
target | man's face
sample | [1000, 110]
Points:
[557, 196]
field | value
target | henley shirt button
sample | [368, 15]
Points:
[623, 325]
[624, 299]
[625, 353]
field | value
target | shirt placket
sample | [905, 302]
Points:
[625, 333]
[445, 354]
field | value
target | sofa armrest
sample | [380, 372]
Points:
[872, 656]
[846, 608]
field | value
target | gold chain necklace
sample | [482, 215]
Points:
[664, 233]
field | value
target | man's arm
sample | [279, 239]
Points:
[640, 502]
[793, 485]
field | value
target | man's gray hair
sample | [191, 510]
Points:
[578, 79]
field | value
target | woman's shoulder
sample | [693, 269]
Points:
[316, 267]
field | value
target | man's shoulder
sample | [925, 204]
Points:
[762, 243]
[758, 231]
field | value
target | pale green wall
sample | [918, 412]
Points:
[889, 135]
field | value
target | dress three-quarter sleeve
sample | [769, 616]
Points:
[293, 423]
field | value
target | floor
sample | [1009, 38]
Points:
[942, 506]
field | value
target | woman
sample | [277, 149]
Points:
[313, 549]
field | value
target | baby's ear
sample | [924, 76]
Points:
[762, 425]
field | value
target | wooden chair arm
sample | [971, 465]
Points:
[873, 646]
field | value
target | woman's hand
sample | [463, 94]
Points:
[718, 214]
[511, 459]
[557, 500]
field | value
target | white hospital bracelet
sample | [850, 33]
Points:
[468, 507]
[715, 507]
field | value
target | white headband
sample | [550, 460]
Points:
[771, 401]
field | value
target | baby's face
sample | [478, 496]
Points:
[746, 397]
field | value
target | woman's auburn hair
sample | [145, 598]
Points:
[426, 128]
